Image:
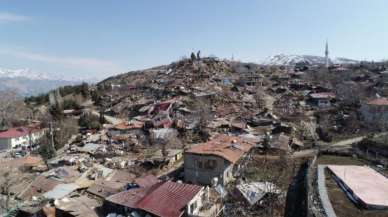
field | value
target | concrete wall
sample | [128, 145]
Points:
[5, 144]
[198, 200]
[197, 172]
[22, 141]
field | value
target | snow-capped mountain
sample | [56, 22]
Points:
[344, 61]
[290, 60]
[27, 82]
[22, 73]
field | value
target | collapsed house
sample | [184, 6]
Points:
[77, 206]
[256, 191]
[215, 159]
[322, 100]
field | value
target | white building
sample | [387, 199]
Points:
[20, 137]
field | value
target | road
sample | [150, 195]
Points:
[351, 141]
[348, 142]
[304, 153]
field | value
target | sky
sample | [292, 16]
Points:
[95, 39]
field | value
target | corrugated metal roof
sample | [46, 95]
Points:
[167, 199]
[61, 191]
[38, 187]
[170, 199]
[231, 148]
[131, 197]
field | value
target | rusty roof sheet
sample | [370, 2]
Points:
[38, 187]
[231, 148]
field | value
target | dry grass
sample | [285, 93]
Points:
[339, 160]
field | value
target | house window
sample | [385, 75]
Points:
[193, 207]
[199, 164]
[211, 164]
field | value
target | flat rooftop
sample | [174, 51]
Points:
[367, 184]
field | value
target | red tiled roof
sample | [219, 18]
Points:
[17, 132]
[166, 199]
[169, 200]
[14, 132]
[378, 101]
[231, 148]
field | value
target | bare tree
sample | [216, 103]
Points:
[12, 108]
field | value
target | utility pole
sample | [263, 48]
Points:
[52, 136]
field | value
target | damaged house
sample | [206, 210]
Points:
[216, 158]
[375, 112]
[322, 100]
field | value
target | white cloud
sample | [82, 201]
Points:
[85, 63]
[6, 17]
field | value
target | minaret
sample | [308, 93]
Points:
[327, 55]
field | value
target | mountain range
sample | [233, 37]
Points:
[289, 60]
[27, 82]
